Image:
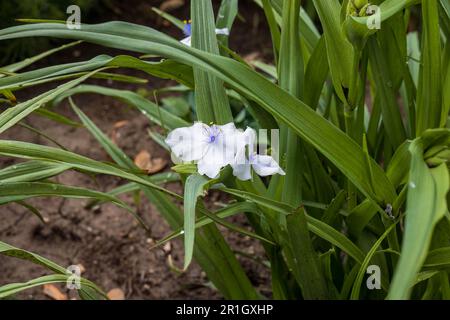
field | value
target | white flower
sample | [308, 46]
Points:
[263, 165]
[212, 147]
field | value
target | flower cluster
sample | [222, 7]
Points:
[214, 147]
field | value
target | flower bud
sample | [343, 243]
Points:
[359, 3]
[357, 8]
[356, 32]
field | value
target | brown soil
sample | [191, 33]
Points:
[113, 249]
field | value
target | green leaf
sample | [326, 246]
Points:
[177, 106]
[14, 191]
[429, 93]
[32, 171]
[43, 112]
[167, 69]
[438, 258]
[32, 209]
[308, 30]
[116, 154]
[29, 61]
[308, 271]
[273, 27]
[13, 115]
[13, 288]
[38, 189]
[362, 270]
[226, 212]
[316, 226]
[225, 18]
[392, 118]
[426, 205]
[11, 251]
[339, 50]
[175, 21]
[193, 188]
[233, 227]
[291, 78]
[316, 72]
[157, 115]
[38, 152]
[159, 178]
[18, 81]
[211, 101]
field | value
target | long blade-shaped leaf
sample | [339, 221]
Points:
[32, 171]
[193, 189]
[211, 101]
[13, 115]
[8, 250]
[339, 50]
[426, 205]
[429, 94]
[29, 150]
[156, 114]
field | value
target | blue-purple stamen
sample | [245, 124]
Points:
[187, 29]
[213, 133]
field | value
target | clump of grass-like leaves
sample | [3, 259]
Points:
[364, 143]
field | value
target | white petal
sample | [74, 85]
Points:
[215, 154]
[242, 171]
[226, 143]
[227, 128]
[235, 139]
[209, 168]
[186, 41]
[188, 143]
[265, 165]
[214, 159]
[241, 166]
[250, 139]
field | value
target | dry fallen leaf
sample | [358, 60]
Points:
[157, 165]
[53, 292]
[116, 126]
[116, 294]
[120, 124]
[251, 57]
[142, 159]
[171, 5]
[145, 162]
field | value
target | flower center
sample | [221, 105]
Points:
[213, 134]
